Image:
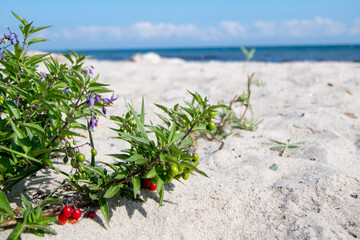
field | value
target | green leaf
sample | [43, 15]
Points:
[21, 139]
[142, 115]
[104, 209]
[13, 109]
[46, 220]
[277, 148]
[165, 120]
[43, 227]
[5, 205]
[38, 212]
[39, 29]
[16, 232]
[36, 40]
[139, 124]
[97, 170]
[23, 21]
[191, 166]
[112, 166]
[277, 142]
[113, 189]
[48, 201]
[26, 202]
[162, 108]
[172, 134]
[152, 173]
[37, 128]
[136, 185]
[134, 138]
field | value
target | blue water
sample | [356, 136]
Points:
[350, 53]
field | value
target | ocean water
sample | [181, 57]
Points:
[349, 53]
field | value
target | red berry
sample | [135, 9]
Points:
[76, 214]
[152, 187]
[91, 214]
[62, 219]
[147, 183]
[73, 220]
[67, 211]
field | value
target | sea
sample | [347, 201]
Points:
[348, 53]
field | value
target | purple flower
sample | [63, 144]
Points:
[86, 71]
[91, 101]
[16, 101]
[104, 110]
[67, 90]
[42, 77]
[111, 100]
[98, 98]
[93, 123]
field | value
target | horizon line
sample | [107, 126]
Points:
[209, 47]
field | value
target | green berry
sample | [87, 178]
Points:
[73, 163]
[65, 160]
[76, 176]
[185, 175]
[74, 143]
[196, 157]
[93, 152]
[80, 158]
[67, 144]
[213, 113]
[69, 136]
[173, 170]
[168, 178]
[181, 168]
[71, 152]
[211, 126]
[131, 122]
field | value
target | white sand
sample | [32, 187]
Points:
[312, 195]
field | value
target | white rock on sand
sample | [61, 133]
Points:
[155, 58]
[314, 194]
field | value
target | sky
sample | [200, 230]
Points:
[120, 24]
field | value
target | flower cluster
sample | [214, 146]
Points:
[88, 70]
[12, 37]
[102, 101]
[43, 76]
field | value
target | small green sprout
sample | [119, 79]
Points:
[285, 146]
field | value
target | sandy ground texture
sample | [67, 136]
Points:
[314, 193]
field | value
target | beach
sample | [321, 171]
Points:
[314, 193]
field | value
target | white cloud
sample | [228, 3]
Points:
[266, 29]
[161, 30]
[355, 28]
[90, 32]
[316, 27]
[233, 28]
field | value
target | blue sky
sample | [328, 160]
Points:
[108, 24]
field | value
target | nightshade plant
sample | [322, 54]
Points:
[229, 119]
[40, 112]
